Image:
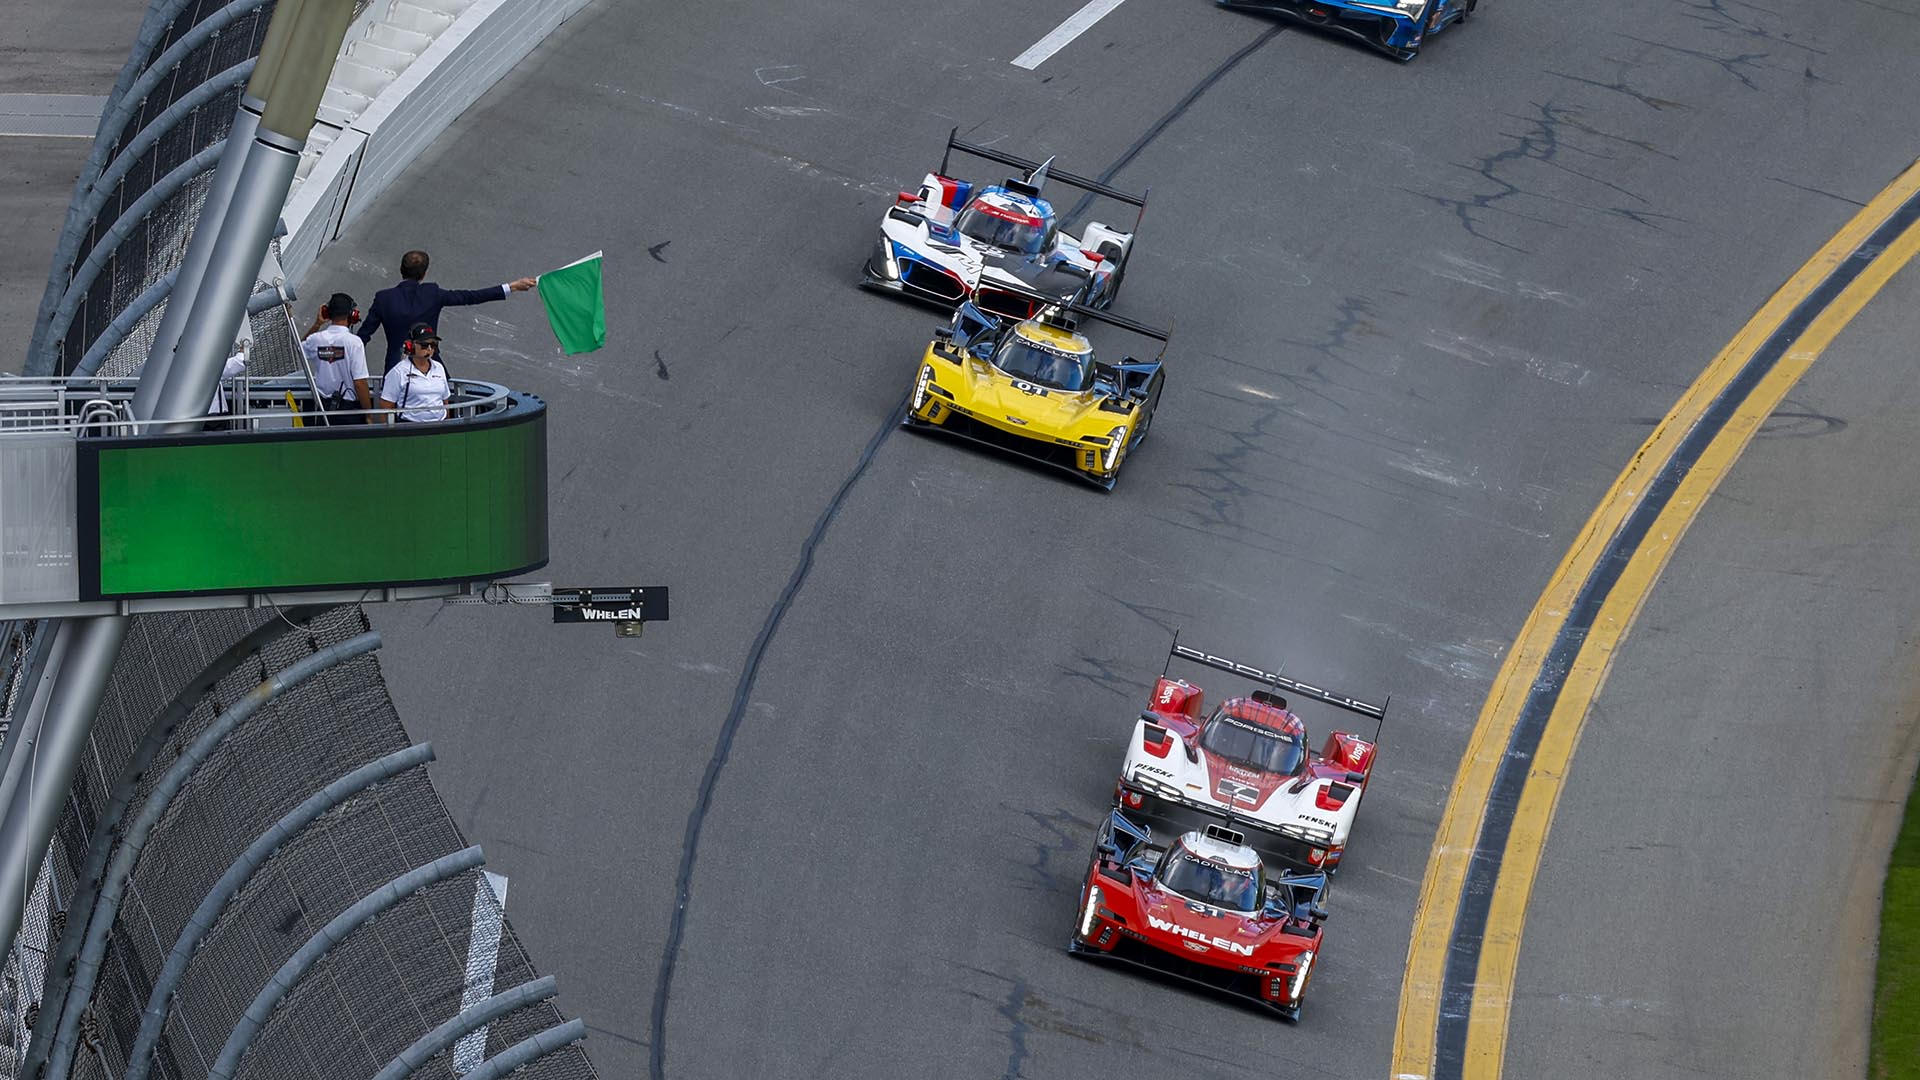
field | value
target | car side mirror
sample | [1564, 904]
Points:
[1108, 848]
[943, 333]
[1356, 778]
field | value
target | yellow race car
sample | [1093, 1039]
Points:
[1034, 388]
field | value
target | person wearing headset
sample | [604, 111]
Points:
[417, 390]
[338, 358]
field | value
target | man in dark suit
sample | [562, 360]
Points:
[417, 300]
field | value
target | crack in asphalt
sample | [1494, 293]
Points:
[743, 690]
[1546, 140]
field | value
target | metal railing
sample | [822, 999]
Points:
[91, 407]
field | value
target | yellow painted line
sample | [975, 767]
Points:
[1458, 833]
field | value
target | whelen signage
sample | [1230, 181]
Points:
[615, 605]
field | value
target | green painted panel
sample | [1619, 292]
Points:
[290, 510]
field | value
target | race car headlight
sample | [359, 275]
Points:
[883, 260]
[1095, 898]
[920, 386]
[1299, 982]
[1414, 8]
[1118, 437]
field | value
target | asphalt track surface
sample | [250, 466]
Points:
[1423, 315]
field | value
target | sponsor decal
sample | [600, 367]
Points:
[626, 614]
[1197, 941]
[1028, 388]
[1234, 792]
[1017, 420]
[1152, 769]
[1320, 821]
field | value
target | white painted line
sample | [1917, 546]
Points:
[59, 116]
[1078, 23]
[483, 953]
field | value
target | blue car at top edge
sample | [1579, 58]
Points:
[1395, 27]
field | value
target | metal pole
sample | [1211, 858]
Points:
[193, 267]
[120, 796]
[526, 1050]
[294, 39]
[470, 1019]
[50, 759]
[297, 77]
[386, 896]
[214, 904]
[113, 887]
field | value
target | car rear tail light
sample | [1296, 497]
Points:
[1106, 936]
[1332, 796]
[1133, 799]
[1317, 856]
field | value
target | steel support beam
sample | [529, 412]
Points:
[154, 1019]
[47, 758]
[113, 888]
[470, 1019]
[120, 796]
[527, 1050]
[254, 1020]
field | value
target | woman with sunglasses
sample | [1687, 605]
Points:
[418, 388]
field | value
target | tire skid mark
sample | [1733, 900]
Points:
[723, 746]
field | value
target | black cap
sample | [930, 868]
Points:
[340, 306]
[421, 334]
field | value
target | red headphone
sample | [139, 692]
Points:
[407, 345]
[328, 315]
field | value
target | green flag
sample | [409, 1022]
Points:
[576, 309]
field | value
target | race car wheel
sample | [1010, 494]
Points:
[1153, 406]
[1111, 251]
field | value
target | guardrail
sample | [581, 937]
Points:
[88, 407]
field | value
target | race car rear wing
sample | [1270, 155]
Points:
[1377, 713]
[954, 142]
[1068, 315]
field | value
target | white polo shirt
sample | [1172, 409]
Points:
[235, 365]
[420, 397]
[338, 357]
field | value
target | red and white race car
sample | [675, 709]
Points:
[1248, 758]
[1204, 909]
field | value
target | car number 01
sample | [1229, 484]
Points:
[1028, 388]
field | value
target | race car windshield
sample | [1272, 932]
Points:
[1008, 229]
[1253, 747]
[1210, 883]
[1042, 367]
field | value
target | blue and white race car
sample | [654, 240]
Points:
[1395, 27]
[997, 246]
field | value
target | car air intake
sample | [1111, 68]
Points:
[931, 281]
[1007, 304]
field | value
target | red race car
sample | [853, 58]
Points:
[1202, 909]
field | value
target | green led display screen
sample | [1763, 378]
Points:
[289, 510]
